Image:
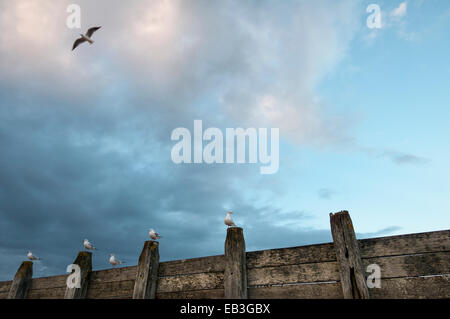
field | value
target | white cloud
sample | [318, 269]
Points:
[171, 54]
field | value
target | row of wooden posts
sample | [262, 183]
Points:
[235, 275]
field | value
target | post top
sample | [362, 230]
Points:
[151, 243]
[84, 253]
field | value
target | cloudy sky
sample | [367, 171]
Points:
[85, 134]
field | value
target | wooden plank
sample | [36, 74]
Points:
[195, 294]
[411, 265]
[235, 273]
[113, 289]
[4, 286]
[191, 282]
[301, 291]
[291, 256]
[147, 272]
[314, 272]
[405, 244]
[353, 279]
[84, 261]
[22, 281]
[49, 282]
[4, 289]
[113, 274]
[48, 293]
[192, 266]
[413, 288]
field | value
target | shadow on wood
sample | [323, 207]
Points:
[147, 272]
[22, 280]
[235, 274]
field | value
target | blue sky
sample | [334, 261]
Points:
[363, 118]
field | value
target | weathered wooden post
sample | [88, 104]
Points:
[84, 261]
[22, 281]
[235, 275]
[353, 281]
[147, 272]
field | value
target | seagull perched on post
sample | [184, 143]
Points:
[85, 37]
[30, 256]
[113, 261]
[153, 235]
[87, 245]
[228, 221]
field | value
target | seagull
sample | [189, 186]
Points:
[153, 234]
[88, 245]
[228, 221]
[85, 37]
[30, 256]
[113, 261]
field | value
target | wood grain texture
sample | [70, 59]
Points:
[4, 289]
[291, 256]
[301, 291]
[49, 282]
[112, 289]
[235, 273]
[84, 261]
[413, 288]
[4, 286]
[22, 281]
[146, 279]
[47, 293]
[192, 266]
[437, 241]
[346, 246]
[191, 282]
[411, 265]
[303, 273]
[113, 274]
[193, 294]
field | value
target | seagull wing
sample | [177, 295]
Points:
[91, 31]
[78, 42]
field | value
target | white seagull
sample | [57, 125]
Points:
[30, 256]
[88, 245]
[228, 221]
[85, 37]
[153, 235]
[114, 261]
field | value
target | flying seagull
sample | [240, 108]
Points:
[88, 245]
[153, 234]
[30, 256]
[85, 37]
[228, 221]
[113, 261]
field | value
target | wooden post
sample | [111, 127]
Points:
[147, 272]
[22, 281]
[84, 261]
[235, 275]
[353, 281]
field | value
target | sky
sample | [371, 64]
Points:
[86, 134]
